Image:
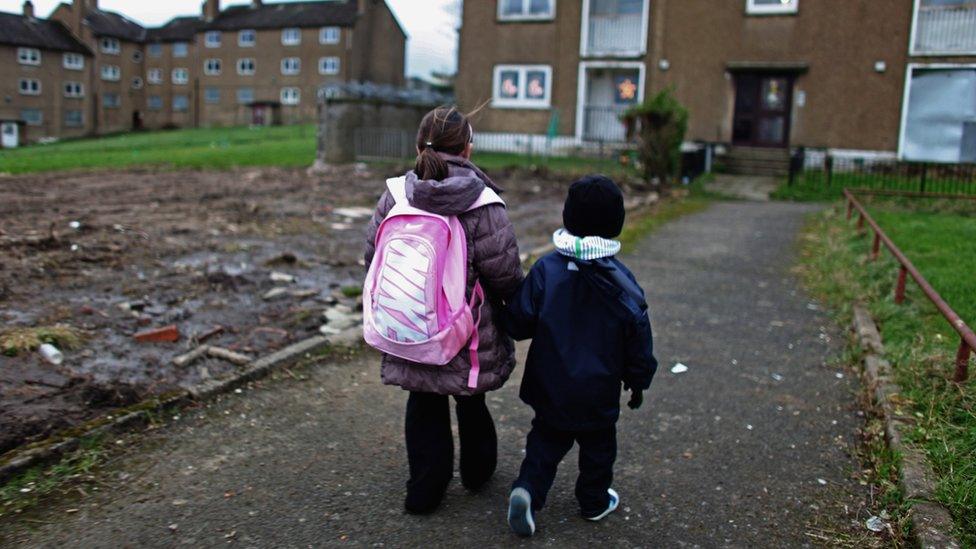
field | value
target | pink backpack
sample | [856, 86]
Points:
[414, 304]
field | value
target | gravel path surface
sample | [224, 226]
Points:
[750, 447]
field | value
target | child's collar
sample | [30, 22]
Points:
[584, 248]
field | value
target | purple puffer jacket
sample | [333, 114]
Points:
[493, 257]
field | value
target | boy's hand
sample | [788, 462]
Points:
[636, 400]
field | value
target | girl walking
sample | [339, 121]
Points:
[408, 307]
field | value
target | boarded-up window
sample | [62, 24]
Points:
[941, 104]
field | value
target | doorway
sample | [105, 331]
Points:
[136, 120]
[763, 110]
[10, 135]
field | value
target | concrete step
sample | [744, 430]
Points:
[763, 153]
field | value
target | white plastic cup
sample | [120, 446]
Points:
[52, 354]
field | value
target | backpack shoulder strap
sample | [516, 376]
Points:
[398, 189]
[487, 198]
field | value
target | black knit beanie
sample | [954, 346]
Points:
[594, 207]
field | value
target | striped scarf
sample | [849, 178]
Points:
[586, 248]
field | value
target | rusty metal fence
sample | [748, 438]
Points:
[967, 339]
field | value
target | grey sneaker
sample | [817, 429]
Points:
[614, 503]
[520, 512]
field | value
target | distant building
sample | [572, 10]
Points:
[261, 63]
[863, 77]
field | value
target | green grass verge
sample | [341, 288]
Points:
[919, 342]
[811, 186]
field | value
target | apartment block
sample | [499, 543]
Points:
[867, 77]
[259, 63]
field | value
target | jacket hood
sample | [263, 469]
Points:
[455, 194]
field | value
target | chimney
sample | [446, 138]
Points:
[256, 3]
[211, 9]
[29, 9]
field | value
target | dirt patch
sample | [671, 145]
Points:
[115, 254]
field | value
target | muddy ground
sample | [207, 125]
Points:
[113, 254]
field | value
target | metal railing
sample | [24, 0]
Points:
[384, 144]
[945, 28]
[890, 175]
[603, 124]
[967, 338]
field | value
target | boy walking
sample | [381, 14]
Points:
[591, 333]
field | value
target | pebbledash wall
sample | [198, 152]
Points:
[858, 77]
[260, 63]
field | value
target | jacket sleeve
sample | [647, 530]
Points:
[383, 208]
[640, 364]
[496, 253]
[521, 314]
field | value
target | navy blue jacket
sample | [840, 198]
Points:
[590, 332]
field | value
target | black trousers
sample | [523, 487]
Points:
[545, 447]
[430, 447]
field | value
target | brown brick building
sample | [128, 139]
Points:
[854, 76]
[261, 63]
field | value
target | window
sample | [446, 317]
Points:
[111, 46]
[247, 38]
[181, 77]
[74, 89]
[155, 76]
[211, 95]
[246, 66]
[111, 100]
[74, 118]
[211, 67]
[111, 73]
[291, 66]
[522, 86]
[33, 117]
[29, 56]
[939, 122]
[29, 86]
[155, 50]
[291, 96]
[180, 49]
[944, 27]
[329, 35]
[212, 39]
[73, 61]
[329, 65]
[766, 7]
[155, 103]
[291, 37]
[521, 10]
[181, 103]
[245, 96]
[137, 83]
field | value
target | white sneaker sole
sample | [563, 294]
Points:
[520, 512]
[614, 503]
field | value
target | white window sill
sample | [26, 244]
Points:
[791, 10]
[520, 105]
[954, 53]
[525, 18]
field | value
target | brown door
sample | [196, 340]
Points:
[258, 115]
[763, 104]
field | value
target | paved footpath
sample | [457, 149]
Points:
[750, 447]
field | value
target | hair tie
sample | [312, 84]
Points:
[430, 143]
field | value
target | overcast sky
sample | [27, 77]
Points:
[431, 24]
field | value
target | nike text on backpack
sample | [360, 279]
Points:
[414, 303]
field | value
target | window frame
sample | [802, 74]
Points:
[154, 50]
[159, 98]
[525, 16]
[31, 89]
[213, 66]
[180, 81]
[38, 122]
[110, 45]
[77, 90]
[254, 66]
[240, 38]
[70, 66]
[183, 97]
[237, 95]
[117, 104]
[208, 37]
[521, 102]
[323, 32]
[184, 49]
[298, 33]
[115, 76]
[298, 96]
[81, 118]
[298, 69]
[154, 77]
[338, 65]
[207, 98]
[772, 9]
[29, 56]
